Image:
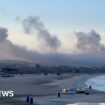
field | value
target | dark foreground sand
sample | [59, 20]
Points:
[44, 90]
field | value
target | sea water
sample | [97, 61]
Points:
[97, 83]
[87, 104]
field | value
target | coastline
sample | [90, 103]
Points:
[45, 89]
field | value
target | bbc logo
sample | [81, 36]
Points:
[7, 93]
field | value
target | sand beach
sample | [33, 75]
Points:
[44, 89]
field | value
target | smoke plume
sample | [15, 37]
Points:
[32, 24]
[8, 50]
[89, 42]
[3, 34]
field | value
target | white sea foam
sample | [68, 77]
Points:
[87, 104]
[97, 83]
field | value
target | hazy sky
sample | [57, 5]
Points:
[52, 27]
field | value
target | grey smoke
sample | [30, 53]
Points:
[89, 42]
[3, 34]
[32, 23]
[8, 51]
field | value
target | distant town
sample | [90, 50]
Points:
[31, 68]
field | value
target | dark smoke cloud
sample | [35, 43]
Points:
[89, 42]
[3, 34]
[8, 50]
[31, 24]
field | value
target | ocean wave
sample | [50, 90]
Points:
[97, 83]
[87, 104]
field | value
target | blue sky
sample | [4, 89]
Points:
[59, 16]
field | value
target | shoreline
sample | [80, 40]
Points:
[45, 89]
